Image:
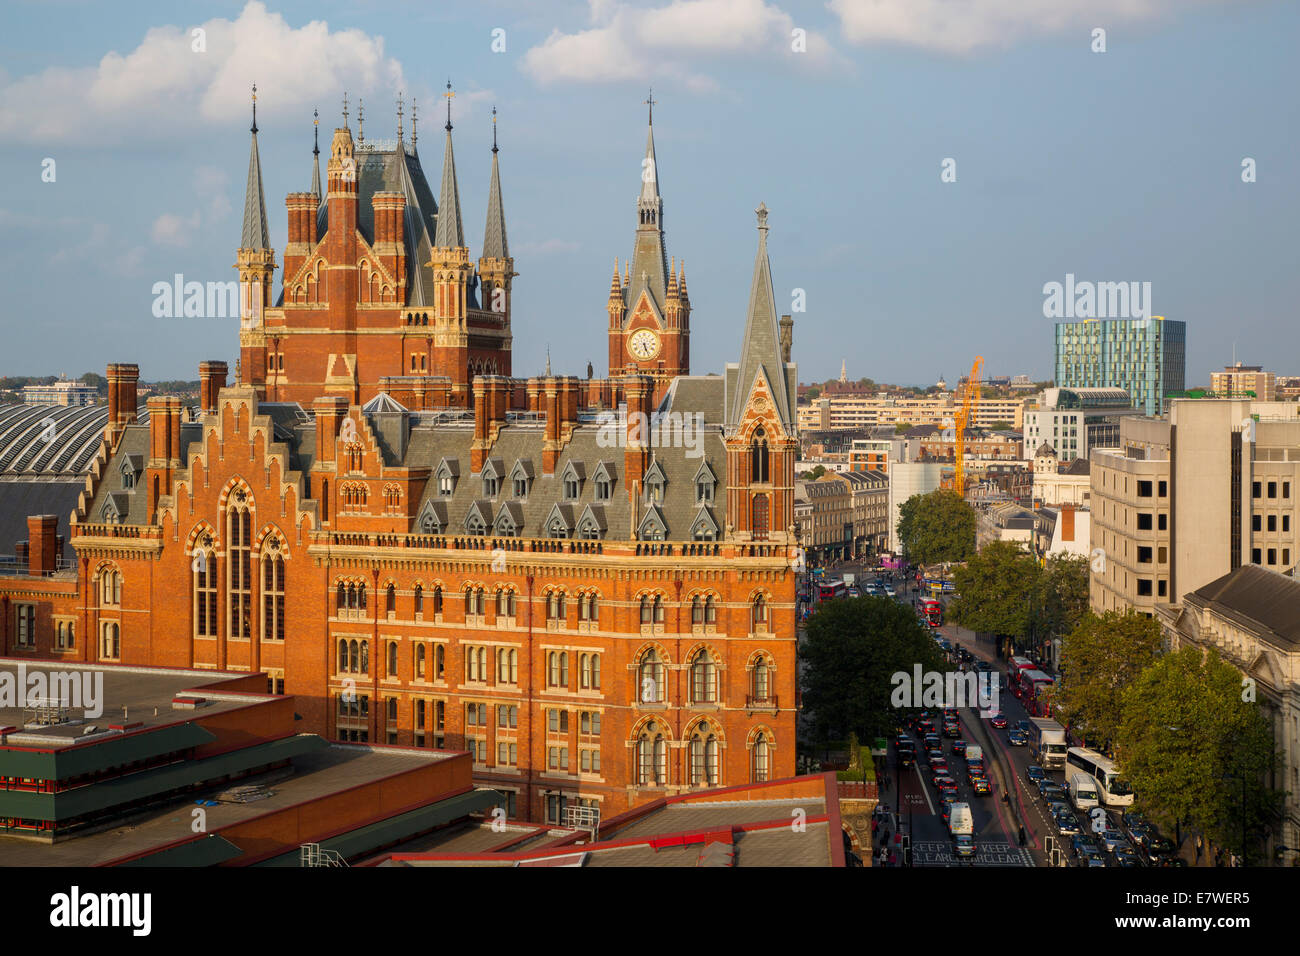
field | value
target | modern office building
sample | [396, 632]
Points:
[75, 394]
[1188, 498]
[1076, 420]
[867, 411]
[1145, 357]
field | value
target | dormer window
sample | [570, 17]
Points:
[556, 529]
[521, 487]
[490, 487]
[521, 478]
[475, 525]
[571, 481]
[571, 489]
[604, 482]
[448, 470]
[446, 485]
[655, 492]
[603, 489]
[705, 482]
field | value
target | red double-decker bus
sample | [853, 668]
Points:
[933, 612]
[1036, 693]
[1015, 670]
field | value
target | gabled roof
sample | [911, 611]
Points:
[705, 472]
[593, 515]
[654, 475]
[563, 513]
[704, 520]
[493, 468]
[510, 518]
[480, 510]
[448, 468]
[1256, 599]
[574, 471]
[652, 519]
[432, 518]
[522, 468]
[605, 470]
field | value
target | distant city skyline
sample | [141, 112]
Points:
[1119, 166]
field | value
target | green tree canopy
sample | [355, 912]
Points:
[854, 647]
[1099, 660]
[1065, 593]
[999, 589]
[937, 527]
[1196, 751]
[815, 473]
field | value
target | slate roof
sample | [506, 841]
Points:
[1261, 601]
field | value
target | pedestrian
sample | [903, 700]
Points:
[875, 826]
[1022, 836]
[893, 860]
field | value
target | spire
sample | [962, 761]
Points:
[649, 169]
[494, 239]
[615, 287]
[844, 371]
[450, 232]
[315, 154]
[761, 349]
[256, 235]
[415, 135]
[548, 361]
[345, 109]
[361, 121]
[400, 132]
[649, 267]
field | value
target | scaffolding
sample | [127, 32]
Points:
[46, 712]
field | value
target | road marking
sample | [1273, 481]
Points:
[939, 853]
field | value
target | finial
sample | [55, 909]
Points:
[415, 136]
[315, 133]
[361, 121]
[548, 361]
[399, 116]
[650, 101]
[494, 129]
[762, 218]
[345, 109]
[449, 94]
[254, 129]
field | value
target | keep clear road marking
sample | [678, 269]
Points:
[927, 853]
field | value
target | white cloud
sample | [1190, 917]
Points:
[214, 184]
[163, 87]
[547, 247]
[962, 26]
[626, 43]
[173, 230]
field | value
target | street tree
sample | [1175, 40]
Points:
[1197, 750]
[998, 589]
[937, 527]
[1100, 658]
[853, 649]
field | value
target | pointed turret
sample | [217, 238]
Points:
[451, 234]
[649, 269]
[315, 155]
[760, 353]
[495, 267]
[452, 273]
[256, 264]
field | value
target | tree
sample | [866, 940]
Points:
[937, 527]
[998, 590]
[813, 393]
[815, 473]
[1001, 427]
[853, 649]
[1100, 659]
[1065, 593]
[901, 427]
[1196, 750]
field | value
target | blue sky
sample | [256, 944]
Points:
[1115, 166]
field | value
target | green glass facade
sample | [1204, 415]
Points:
[1147, 358]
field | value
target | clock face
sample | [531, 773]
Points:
[644, 344]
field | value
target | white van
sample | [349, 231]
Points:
[1083, 791]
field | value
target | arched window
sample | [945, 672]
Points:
[710, 610]
[439, 661]
[704, 757]
[761, 679]
[588, 608]
[652, 757]
[392, 658]
[343, 657]
[112, 644]
[507, 665]
[110, 593]
[240, 587]
[341, 598]
[646, 609]
[704, 678]
[659, 608]
[758, 463]
[420, 655]
[361, 597]
[555, 607]
[390, 599]
[205, 593]
[506, 606]
[437, 599]
[762, 759]
[273, 597]
[759, 615]
[650, 678]
[419, 599]
[697, 610]
[760, 521]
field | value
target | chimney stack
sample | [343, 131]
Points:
[212, 378]
[330, 411]
[638, 391]
[491, 402]
[42, 544]
[122, 380]
[164, 448]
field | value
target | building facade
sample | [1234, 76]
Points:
[1147, 358]
[1186, 499]
[1076, 420]
[1244, 381]
[597, 602]
[869, 411]
[63, 393]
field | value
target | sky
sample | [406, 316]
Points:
[124, 153]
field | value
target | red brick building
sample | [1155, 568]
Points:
[586, 584]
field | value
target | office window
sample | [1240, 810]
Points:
[1286, 522]
[1162, 522]
[1164, 489]
[1162, 588]
[1254, 489]
[1272, 522]
[1286, 489]
[1272, 555]
[1272, 489]
[1144, 489]
[1144, 521]
[1144, 555]
[1255, 523]
[1144, 587]
[26, 617]
[1286, 555]
[1254, 555]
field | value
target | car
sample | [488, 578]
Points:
[952, 730]
[1034, 773]
[1159, 846]
[1043, 782]
[1134, 818]
[946, 810]
[933, 744]
[925, 726]
[959, 747]
[946, 786]
[1067, 824]
[1022, 726]
[1053, 791]
[999, 721]
[1127, 856]
[852, 592]
[983, 666]
[1059, 806]
[1111, 839]
[980, 784]
[1142, 834]
[1170, 861]
[1091, 856]
[938, 765]
[1017, 738]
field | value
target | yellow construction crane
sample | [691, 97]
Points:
[969, 394]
